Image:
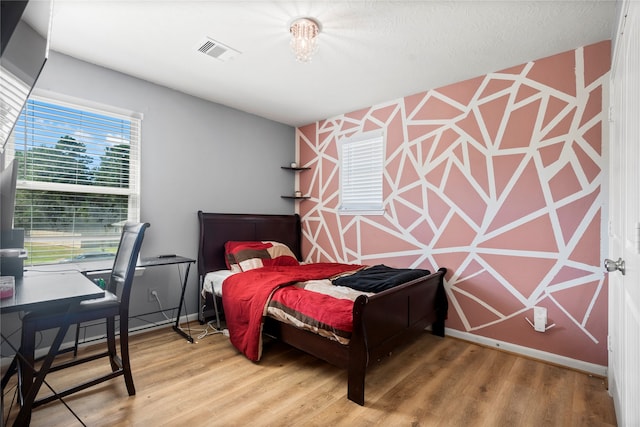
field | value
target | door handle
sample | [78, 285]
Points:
[612, 265]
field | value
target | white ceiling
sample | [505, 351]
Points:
[369, 51]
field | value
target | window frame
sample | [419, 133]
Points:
[134, 156]
[357, 145]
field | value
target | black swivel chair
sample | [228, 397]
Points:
[107, 308]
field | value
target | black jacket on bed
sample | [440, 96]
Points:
[379, 277]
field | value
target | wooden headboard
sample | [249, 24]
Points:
[218, 228]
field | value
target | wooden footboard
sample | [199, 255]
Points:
[381, 323]
[386, 320]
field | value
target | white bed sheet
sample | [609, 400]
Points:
[212, 282]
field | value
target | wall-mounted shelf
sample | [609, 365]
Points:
[295, 169]
[295, 197]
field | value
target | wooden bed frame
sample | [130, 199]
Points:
[381, 322]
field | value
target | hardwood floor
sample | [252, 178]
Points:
[433, 382]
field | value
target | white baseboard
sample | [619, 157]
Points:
[614, 392]
[532, 353]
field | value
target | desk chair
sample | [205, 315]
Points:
[107, 308]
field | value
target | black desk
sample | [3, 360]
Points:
[41, 290]
[104, 266]
[173, 260]
[37, 291]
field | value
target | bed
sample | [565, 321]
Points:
[381, 321]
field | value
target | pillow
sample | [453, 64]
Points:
[245, 256]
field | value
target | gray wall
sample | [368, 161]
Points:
[196, 155]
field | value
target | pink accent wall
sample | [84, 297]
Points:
[498, 179]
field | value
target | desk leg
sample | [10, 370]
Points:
[176, 327]
[13, 367]
[12, 370]
[24, 416]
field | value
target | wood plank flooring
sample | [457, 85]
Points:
[432, 382]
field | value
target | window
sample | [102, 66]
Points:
[361, 173]
[78, 179]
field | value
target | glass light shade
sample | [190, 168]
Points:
[304, 41]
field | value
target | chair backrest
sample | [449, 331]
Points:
[124, 265]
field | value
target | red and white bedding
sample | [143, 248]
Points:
[247, 296]
[317, 306]
[331, 307]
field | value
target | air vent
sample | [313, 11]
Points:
[216, 49]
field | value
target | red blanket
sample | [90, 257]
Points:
[245, 297]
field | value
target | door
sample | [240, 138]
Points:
[624, 210]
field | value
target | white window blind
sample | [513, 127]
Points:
[361, 174]
[78, 179]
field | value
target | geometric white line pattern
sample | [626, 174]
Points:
[498, 179]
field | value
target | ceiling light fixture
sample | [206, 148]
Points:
[304, 41]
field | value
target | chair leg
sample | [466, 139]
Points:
[124, 352]
[75, 346]
[111, 344]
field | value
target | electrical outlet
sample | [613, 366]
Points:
[150, 293]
